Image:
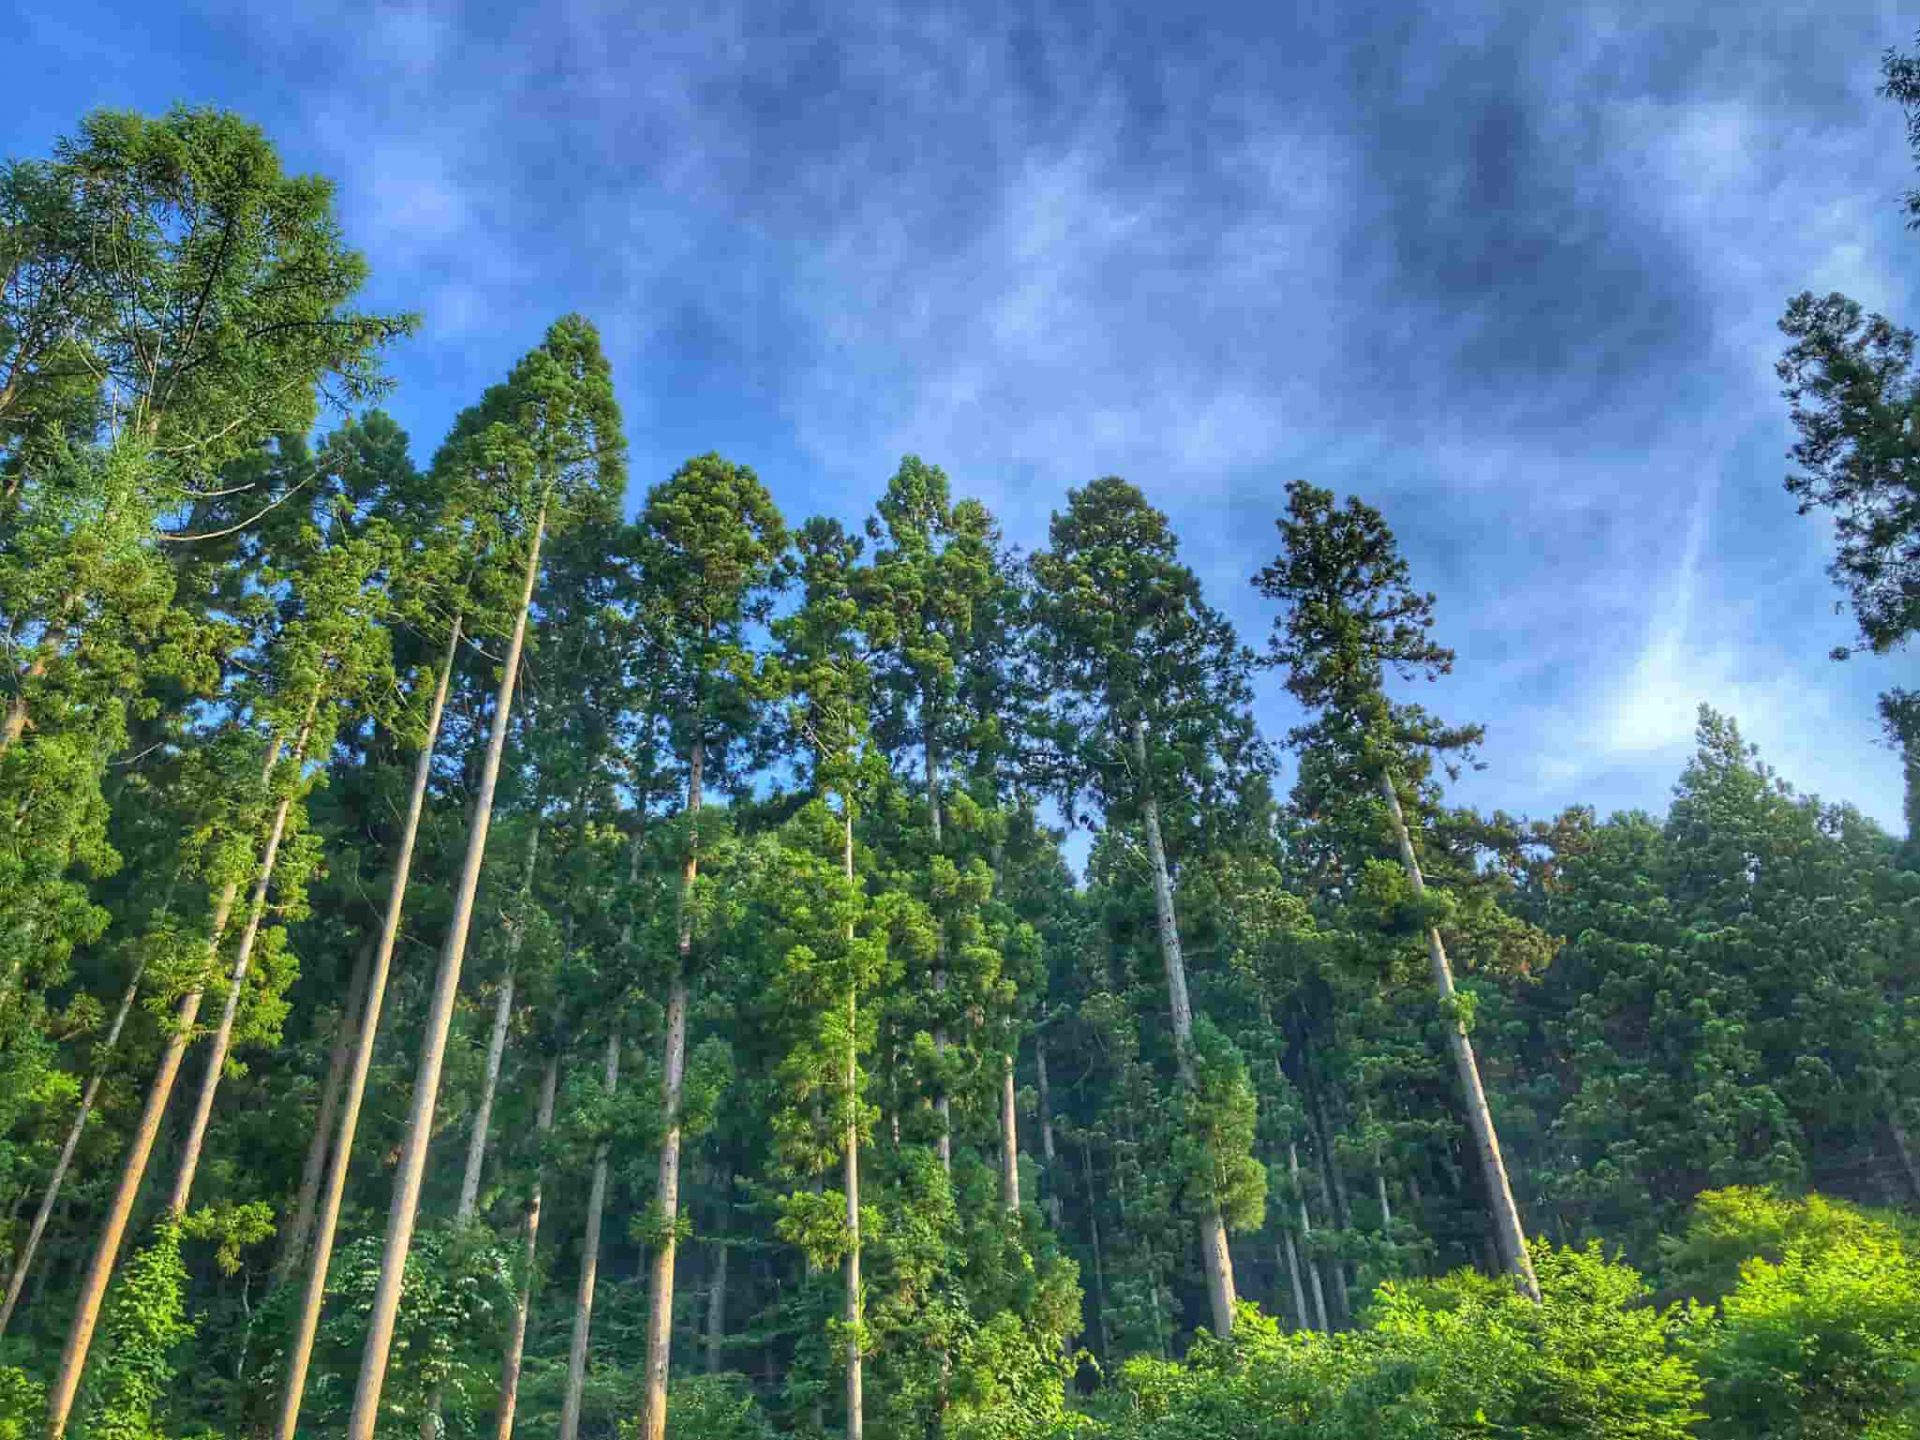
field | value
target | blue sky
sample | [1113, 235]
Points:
[1510, 271]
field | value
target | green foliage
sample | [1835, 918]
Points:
[1463, 1356]
[143, 1327]
[1820, 1334]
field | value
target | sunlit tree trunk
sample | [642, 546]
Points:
[942, 1102]
[856, 1407]
[294, 1243]
[517, 1329]
[300, 1352]
[16, 1282]
[1009, 1139]
[1508, 1233]
[1319, 1320]
[65, 1387]
[589, 1264]
[1046, 1130]
[1215, 1258]
[653, 1422]
[426, 1088]
[481, 1134]
[236, 987]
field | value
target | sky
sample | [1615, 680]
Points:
[1510, 272]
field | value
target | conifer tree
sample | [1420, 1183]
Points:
[549, 443]
[1349, 614]
[712, 542]
[1150, 690]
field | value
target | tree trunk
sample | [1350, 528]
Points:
[1215, 1257]
[517, 1332]
[481, 1134]
[1306, 1233]
[1093, 1234]
[1902, 1146]
[1009, 1140]
[856, 1409]
[236, 986]
[1289, 1257]
[1335, 1191]
[589, 1265]
[300, 1353]
[294, 1243]
[113, 1229]
[426, 1088]
[717, 1296]
[1506, 1215]
[653, 1422]
[17, 1281]
[942, 1102]
[1046, 1131]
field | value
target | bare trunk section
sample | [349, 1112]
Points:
[1216, 1259]
[942, 1102]
[1306, 1233]
[717, 1298]
[293, 1244]
[16, 1282]
[653, 1421]
[1902, 1145]
[1093, 1234]
[1046, 1131]
[426, 1088]
[856, 1408]
[1009, 1140]
[1289, 1257]
[300, 1353]
[1508, 1231]
[517, 1332]
[113, 1229]
[589, 1265]
[236, 987]
[482, 1132]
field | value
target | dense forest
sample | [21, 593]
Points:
[506, 946]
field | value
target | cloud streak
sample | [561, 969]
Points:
[1509, 272]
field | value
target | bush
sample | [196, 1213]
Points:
[1818, 1337]
[1463, 1356]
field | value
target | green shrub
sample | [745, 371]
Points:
[1818, 1338]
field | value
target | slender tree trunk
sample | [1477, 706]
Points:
[1289, 1257]
[236, 986]
[1380, 1192]
[294, 1244]
[15, 724]
[113, 1229]
[1009, 1140]
[1306, 1233]
[589, 1265]
[653, 1423]
[1215, 1257]
[16, 1282]
[300, 1353]
[1902, 1146]
[1046, 1131]
[942, 1102]
[856, 1409]
[426, 1088]
[517, 1331]
[717, 1297]
[1335, 1190]
[1508, 1231]
[482, 1132]
[1093, 1234]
